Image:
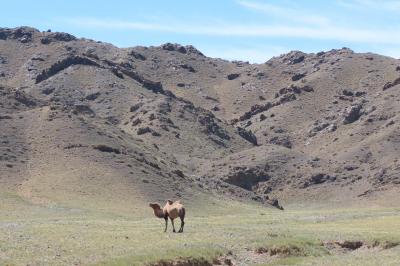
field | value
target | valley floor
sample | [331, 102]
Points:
[244, 234]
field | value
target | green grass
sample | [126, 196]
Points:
[60, 235]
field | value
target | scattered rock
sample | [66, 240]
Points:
[391, 84]
[24, 98]
[212, 127]
[174, 47]
[22, 34]
[135, 107]
[350, 167]
[274, 203]
[179, 173]
[182, 262]
[48, 90]
[246, 178]
[116, 72]
[317, 179]
[57, 36]
[360, 93]
[391, 122]
[83, 109]
[233, 76]
[247, 135]
[143, 130]
[352, 113]
[281, 141]
[63, 64]
[215, 108]
[105, 148]
[298, 76]
[137, 55]
[5, 117]
[92, 96]
[298, 59]
[188, 67]
[347, 93]
[136, 122]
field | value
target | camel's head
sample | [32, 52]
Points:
[158, 212]
[155, 206]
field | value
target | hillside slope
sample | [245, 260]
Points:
[85, 121]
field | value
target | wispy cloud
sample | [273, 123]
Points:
[286, 13]
[324, 32]
[393, 6]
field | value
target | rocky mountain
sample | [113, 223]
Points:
[85, 121]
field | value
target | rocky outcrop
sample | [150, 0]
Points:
[174, 47]
[319, 126]
[247, 135]
[232, 76]
[92, 96]
[298, 76]
[137, 55]
[22, 34]
[211, 127]
[247, 178]
[189, 49]
[318, 178]
[143, 130]
[254, 110]
[57, 36]
[281, 141]
[154, 86]
[293, 57]
[284, 95]
[82, 109]
[391, 84]
[25, 99]
[295, 89]
[106, 148]
[63, 64]
[352, 113]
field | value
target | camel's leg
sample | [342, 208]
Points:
[166, 224]
[182, 216]
[173, 226]
[182, 225]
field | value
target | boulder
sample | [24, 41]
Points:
[57, 36]
[352, 113]
[247, 135]
[137, 55]
[233, 76]
[390, 84]
[298, 76]
[174, 47]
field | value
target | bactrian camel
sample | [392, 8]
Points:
[172, 210]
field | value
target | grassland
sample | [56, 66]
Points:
[62, 235]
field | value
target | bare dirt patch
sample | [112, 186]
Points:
[354, 245]
[182, 262]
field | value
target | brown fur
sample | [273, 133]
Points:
[172, 210]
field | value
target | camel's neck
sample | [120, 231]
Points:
[158, 213]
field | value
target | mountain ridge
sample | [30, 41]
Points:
[167, 121]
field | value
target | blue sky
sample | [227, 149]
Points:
[251, 30]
